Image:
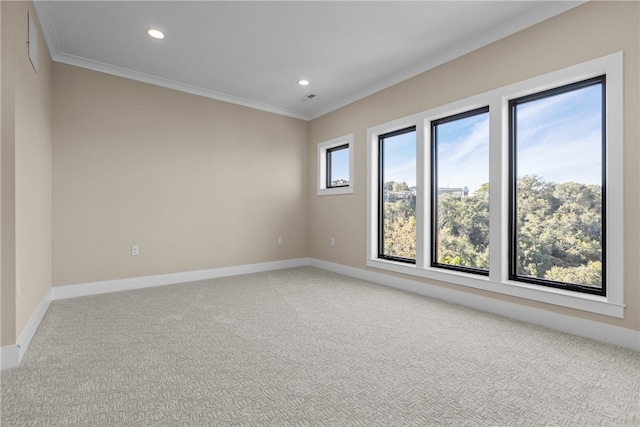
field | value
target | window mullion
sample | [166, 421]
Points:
[422, 196]
[328, 170]
[498, 190]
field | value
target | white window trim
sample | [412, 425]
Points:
[498, 280]
[322, 166]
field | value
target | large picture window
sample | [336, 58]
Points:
[397, 195]
[518, 191]
[557, 187]
[460, 191]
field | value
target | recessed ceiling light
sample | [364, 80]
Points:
[303, 82]
[156, 34]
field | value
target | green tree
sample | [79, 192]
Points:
[400, 186]
[535, 204]
[589, 275]
[400, 237]
[388, 186]
[559, 231]
[399, 221]
[463, 229]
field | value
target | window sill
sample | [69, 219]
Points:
[334, 191]
[558, 297]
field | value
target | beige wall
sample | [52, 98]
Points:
[587, 32]
[196, 183]
[7, 179]
[26, 172]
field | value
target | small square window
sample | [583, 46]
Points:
[338, 166]
[335, 166]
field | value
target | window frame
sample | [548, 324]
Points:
[513, 205]
[434, 190]
[328, 161]
[381, 253]
[498, 281]
[322, 168]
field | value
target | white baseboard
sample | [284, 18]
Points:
[585, 328]
[11, 356]
[94, 288]
[30, 330]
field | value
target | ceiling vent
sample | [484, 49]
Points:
[308, 97]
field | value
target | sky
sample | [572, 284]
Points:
[340, 165]
[463, 152]
[559, 139]
[400, 158]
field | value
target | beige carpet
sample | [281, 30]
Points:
[308, 347]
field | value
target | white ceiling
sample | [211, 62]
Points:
[253, 53]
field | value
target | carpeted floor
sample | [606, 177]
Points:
[308, 347]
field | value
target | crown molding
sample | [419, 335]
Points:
[171, 84]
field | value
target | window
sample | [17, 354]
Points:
[397, 195]
[460, 192]
[557, 187]
[335, 166]
[517, 191]
[338, 166]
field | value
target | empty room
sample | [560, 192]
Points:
[320, 213]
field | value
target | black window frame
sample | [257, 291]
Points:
[434, 191]
[512, 234]
[381, 139]
[328, 153]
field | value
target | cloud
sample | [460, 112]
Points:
[560, 138]
[400, 158]
[463, 153]
[399, 172]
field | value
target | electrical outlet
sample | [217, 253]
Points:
[135, 250]
[333, 241]
[18, 288]
[279, 240]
